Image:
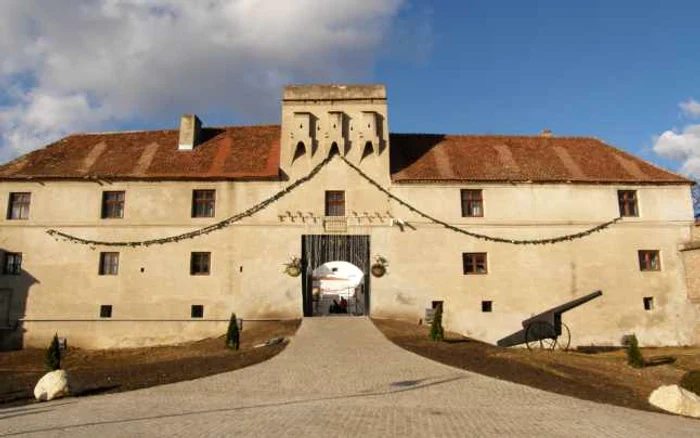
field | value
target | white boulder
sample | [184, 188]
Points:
[52, 385]
[675, 399]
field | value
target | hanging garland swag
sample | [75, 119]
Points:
[284, 192]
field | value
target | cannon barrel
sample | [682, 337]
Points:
[554, 313]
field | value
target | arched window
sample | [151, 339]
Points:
[299, 152]
[334, 149]
[367, 151]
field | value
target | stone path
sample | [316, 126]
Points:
[339, 377]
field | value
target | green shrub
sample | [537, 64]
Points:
[53, 355]
[634, 354]
[437, 333]
[233, 336]
[691, 381]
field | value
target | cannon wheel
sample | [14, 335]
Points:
[540, 335]
[564, 339]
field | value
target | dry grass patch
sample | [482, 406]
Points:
[602, 377]
[105, 371]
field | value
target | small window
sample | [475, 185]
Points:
[472, 203]
[335, 203]
[486, 306]
[18, 207]
[197, 311]
[474, 263]
[627, 199]
[199, 263]
[649, 260]
[203, 202]
[113, 205]
[106, 311]
[648, 303]
[13, 263]
[436, 304]
[109, 263]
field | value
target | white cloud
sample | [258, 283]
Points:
[691, 108]
[83, 65]
[681, 146]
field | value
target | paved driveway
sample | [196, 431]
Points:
[339, 377]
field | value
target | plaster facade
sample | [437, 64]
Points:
[60, 289]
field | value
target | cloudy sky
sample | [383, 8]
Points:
[626, 73]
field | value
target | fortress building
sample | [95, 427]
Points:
[151, 237]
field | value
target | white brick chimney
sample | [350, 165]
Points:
[190, 132]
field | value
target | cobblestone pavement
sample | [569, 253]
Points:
[339, 377]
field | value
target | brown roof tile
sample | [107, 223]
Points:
[427, 157]
[252, 152]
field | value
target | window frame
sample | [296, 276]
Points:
[208, 205]
[471, 198]
[624, 203]
[334, 207]
[649, 260]
[13, 268]
[108, 205]
[22, 201]
[196, 262]
[474, 258]
[109, 263]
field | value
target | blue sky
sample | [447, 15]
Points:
[624, 71]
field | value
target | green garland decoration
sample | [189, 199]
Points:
[553, 240]
[284, 192]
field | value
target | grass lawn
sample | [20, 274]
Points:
[104, 371]
[602, 377]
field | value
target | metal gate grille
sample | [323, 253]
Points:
[319, 249]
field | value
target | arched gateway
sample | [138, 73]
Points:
[324, 251]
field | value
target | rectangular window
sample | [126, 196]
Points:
[472, 203]
[18, 207]
[486, 306]
[12, 264]
[109, 263]
[106, 311]
[335, 203]
[474, 263]
[203, 203]
[199, 263]
[113, 205]
[627, 199]
[197, 311]
[648, 303]
[649, 260]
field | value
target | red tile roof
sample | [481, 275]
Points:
[424, 157]
[252, 152]
[248, 152]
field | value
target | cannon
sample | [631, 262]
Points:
[545, 330]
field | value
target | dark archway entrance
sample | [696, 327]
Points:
[319, 249]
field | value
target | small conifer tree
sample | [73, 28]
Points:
[232, 335]
[634, 354]
[437, 333]
[53, 355]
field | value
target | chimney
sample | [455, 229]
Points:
[190, 132]
[546, 132]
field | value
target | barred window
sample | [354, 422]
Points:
[13, 263]
[113, 205]
[472, 203]
[200, 263]
[109, 263]
[18, 207]
[627, 199]
[203, 202]
[474, 263]
[649, 260]
[335, 203]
